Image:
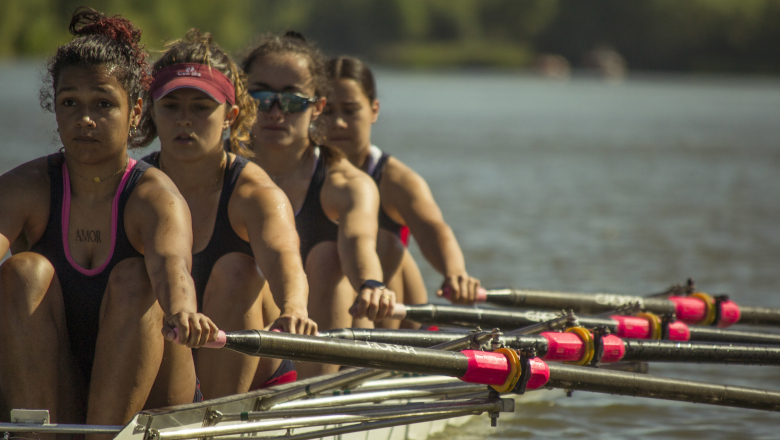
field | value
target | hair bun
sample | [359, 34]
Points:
[294, 34]
[87, 21]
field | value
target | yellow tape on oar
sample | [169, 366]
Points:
[655, 324]
[709, 302]
[587, 340]
[514, 372]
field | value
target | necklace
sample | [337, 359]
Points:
[220, 171]
[100, 180]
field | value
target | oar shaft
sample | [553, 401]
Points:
[580, 302]
[642, 385]
[668, 351]
[701, 333]
[352, 353]
[627, 327]
[494, 369]
[689, 309]
[569, 347]
[759, 316]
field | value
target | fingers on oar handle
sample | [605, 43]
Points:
[481, 294]
[219, 343]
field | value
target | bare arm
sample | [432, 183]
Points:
[264, 212]
[355, 199]
[160, 220]
[407, 194]
[23, 203]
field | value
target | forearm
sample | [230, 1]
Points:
[359, 260]
[173, 285]
[288, 282]
[440, 247]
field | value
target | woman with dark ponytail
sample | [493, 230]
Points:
[335, 204]
[352, 108]
[99, 276]
[241, 220]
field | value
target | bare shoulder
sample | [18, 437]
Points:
[344, 177]
[400, 177]
[25, 190]
[153, 185]
[256, 188]
[155, 190]
[28, 179]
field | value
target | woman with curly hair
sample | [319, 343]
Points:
[102, 249]
[241, 220]
[335, 204]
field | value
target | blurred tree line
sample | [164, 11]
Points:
[694, 35]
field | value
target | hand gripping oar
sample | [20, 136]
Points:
[698, 308]
[645, 326]
[502, 369]
[578, 348]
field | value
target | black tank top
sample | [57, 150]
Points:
[385, 222]
[224, 239]
[83, 290]
[312, 224]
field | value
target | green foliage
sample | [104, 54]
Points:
[724, 35]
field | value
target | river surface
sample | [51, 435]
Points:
[576, 186]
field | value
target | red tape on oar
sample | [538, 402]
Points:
[729, 314]
[501, 370]
[614, 349]
[633, 327]
[679, 331]
[219, 343]
[577, 349]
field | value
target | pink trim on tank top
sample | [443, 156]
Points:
[114, 214]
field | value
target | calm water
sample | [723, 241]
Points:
[577, 186]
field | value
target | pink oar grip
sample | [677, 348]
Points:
[632, 327]
[679, 331]
[481, 294]
[486, 368]
[689, 309]
[562, 347]
[729, 314]
[219, 343]
[399, 311]
[614, 349]
[540, 374]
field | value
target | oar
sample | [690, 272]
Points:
[633, 327]
[576, 347]
[502, 369]
[698, 308]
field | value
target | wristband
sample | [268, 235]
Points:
[372, 284]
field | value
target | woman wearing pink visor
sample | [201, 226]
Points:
[244, 240]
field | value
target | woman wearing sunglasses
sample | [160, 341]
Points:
[335, 204]
[241, 221]
[406, 200]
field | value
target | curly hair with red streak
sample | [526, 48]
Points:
[99, 40]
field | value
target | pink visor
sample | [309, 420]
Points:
[194, 76]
